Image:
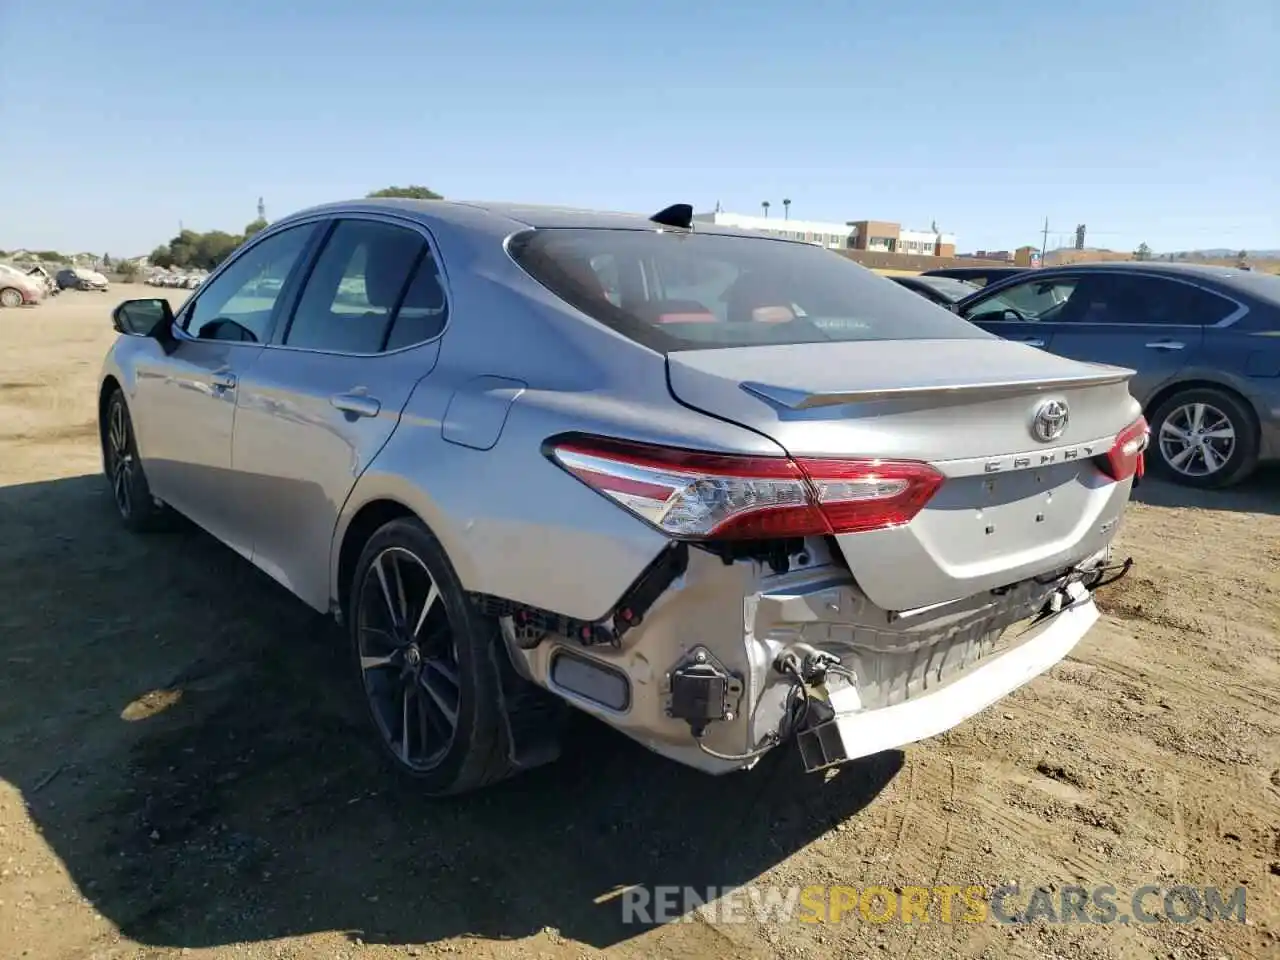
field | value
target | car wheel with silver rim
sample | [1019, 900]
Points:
[1204, 437]
[428, 664]
[11, 297]
[123, 468]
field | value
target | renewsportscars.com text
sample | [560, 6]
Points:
[944, 903]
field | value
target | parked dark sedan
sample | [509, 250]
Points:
[978, 276]
[78, 278]
[1205, 342]
[943, 291]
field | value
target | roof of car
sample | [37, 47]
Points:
[1245, 281]
[1228, 280]
[994, 268]
[465, 212]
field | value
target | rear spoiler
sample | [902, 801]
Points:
[974, 389]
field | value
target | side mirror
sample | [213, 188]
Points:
[144, 318]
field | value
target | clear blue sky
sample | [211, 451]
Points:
[1148, 120]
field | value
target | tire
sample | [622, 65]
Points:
[11, 297]
[1221, 410]
[476, 753]
[137, 508]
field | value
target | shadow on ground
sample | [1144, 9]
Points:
[1259, 494]
[185, 737]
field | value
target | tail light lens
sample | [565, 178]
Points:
[693, 495]
[1125, 458]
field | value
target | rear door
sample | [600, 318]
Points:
[326, 395]
[1154, 325]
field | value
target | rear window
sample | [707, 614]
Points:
[689, 291]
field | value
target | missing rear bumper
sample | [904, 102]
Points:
[844, 730]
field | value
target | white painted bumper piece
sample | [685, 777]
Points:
[865, 732]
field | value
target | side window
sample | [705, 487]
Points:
[1033, 300]
[423, 313]
[239, 304]
[1170, 302]
[1125, 299]
[1200, 306]
[358, 279]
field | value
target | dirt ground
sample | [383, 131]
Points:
[183, 771]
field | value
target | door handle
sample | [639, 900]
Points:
[224, 381]
[1166, 345]
[1029, 341]
[356, 404]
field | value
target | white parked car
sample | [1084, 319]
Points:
[18, 289]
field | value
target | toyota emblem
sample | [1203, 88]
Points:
[1050, 421]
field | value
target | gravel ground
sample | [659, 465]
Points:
[183, 771]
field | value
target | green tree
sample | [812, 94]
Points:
[162, 256]
[214, 247]
[1142, 253]
[257, 226]
[128, 269]
[409, 193]
[182, 248]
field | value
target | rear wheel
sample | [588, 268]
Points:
[129, 488]
[428, 663]
[1204, 438]
[11, 297]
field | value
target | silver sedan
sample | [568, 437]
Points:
[720, 490]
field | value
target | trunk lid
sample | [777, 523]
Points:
[1013, 505]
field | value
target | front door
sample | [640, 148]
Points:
[320, 403]
[185, 402]
[1025, 312]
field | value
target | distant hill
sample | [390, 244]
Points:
[1218, 252]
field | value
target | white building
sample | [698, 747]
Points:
[923, 243]
[873, 235]
[837, 236]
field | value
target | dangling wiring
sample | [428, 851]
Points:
[791, 724]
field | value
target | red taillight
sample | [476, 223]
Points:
[693, 495]
[1125, 458]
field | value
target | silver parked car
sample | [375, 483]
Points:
[81, 278]
[720, 490]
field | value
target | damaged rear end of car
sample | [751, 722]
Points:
[925, 540]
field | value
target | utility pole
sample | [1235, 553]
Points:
[1044, 243]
